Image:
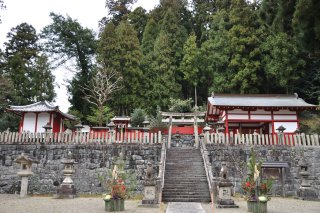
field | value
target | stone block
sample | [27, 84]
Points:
[136, 157]
[139, 162]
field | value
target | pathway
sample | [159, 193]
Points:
[184, 207]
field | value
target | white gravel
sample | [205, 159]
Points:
[14, 204]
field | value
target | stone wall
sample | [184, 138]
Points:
[236, 158]
[92, 160]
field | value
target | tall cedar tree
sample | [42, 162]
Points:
[233, 51]
[189, 65]
[27, 67]
[138, 19]
[163, 82]
[126, 61]
[282, 63]
[65, 40]
[118, 10]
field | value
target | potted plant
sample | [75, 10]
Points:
[118, 184]
[264, 187]
[250, 184]
[256, 189]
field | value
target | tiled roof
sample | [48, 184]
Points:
[259, 101]
[42, 106]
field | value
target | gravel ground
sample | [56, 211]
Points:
[14, 204]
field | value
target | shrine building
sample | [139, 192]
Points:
[260, 113]
[35, 116]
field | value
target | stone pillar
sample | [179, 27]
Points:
[150, 187]
[170, 132]
[196, 134]
[206, 130]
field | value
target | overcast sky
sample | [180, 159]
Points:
[36, 13]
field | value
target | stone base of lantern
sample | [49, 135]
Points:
[66, 191]
[150, 195]
[307, 193]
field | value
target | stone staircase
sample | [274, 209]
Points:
[185, 177]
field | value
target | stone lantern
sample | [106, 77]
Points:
[207, 130]
[220, 126]
[297, 131]
[112, 127]
[66, 189]
[305, 192]
[280, 133]
[47, 127]
[224, 189]
[25, 171]
[146, 122]
[78, 127]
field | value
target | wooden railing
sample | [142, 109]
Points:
[263, 139]
[80, 138]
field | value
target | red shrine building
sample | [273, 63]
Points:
[37, 115]
[256, 113]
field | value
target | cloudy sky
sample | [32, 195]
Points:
[36, 13]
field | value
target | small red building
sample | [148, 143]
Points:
[260, 113]
[37, 115]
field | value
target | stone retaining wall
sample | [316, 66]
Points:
[236, 158]
[92, 160]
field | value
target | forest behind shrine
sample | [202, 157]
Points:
[150, 57]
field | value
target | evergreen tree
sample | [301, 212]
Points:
[149, 36]
[282, 63]
[202, 10]
[108, 46]
[65, 40]
[306, 25]
[163, 81]
[27, 68]
[189, 65]
[128, 57]
[118, 10]
[233, 51]
[138, 19]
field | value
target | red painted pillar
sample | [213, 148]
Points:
[36, 125]
[227, 124]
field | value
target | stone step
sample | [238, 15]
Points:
[199, 200]
[172, 193]
[186, 194]
[172, 185]
[202, 190]
[185, 178]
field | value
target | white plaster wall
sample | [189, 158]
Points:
[260, 111]
[29, 122]
[284, 111]
[260, 117]
[290, 126]
[238, 117]
[237, 111]
[285, 117]
[43, 119]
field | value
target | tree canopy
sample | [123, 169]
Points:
[171, 52]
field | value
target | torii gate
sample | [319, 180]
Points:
[194, 119]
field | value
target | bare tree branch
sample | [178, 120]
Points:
[101, 86]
